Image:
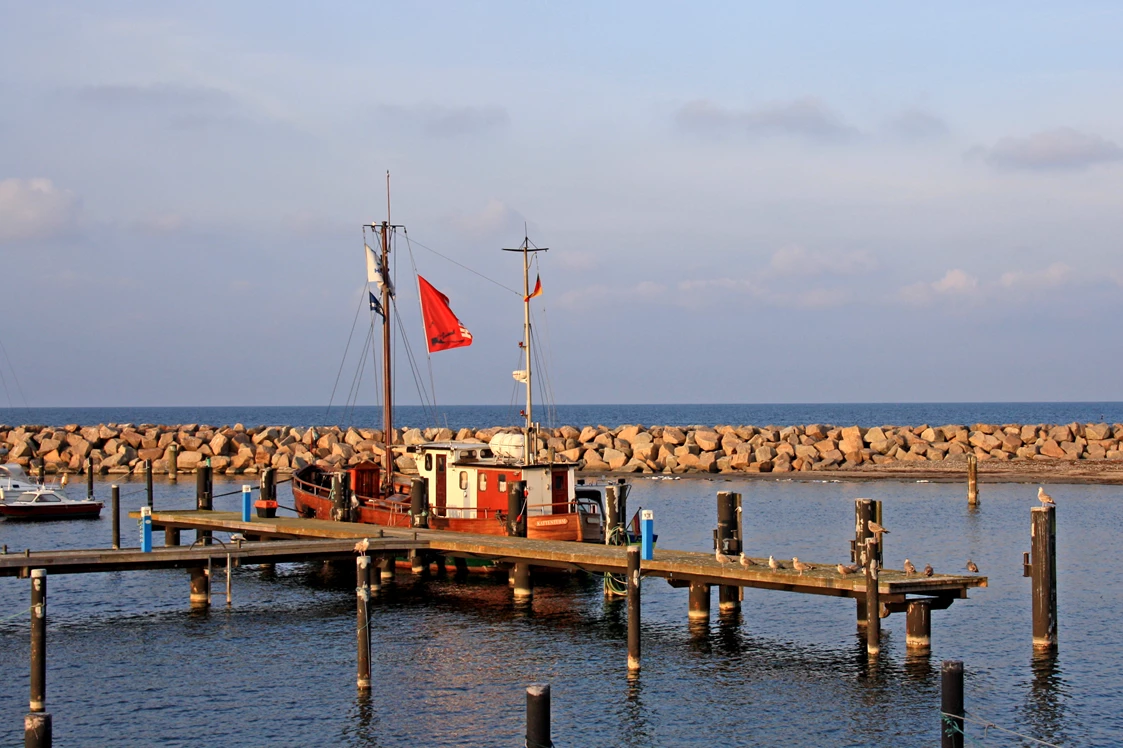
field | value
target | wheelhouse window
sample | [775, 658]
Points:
[428, 462]
[481, 482]
[463, 479]
[502, 482]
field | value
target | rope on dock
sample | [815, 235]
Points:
[987, 725]
[17, 614]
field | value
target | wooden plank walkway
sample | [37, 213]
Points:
[678, 567]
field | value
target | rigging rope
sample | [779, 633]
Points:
[986, 724]
[428, 353]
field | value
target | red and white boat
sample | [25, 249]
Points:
[466, 484]
[21, 498]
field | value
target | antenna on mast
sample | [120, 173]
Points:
[528, 435]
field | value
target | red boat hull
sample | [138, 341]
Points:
[40, 512]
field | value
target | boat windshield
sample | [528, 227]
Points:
[30, 496]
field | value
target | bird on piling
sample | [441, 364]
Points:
[774, 564]
[972, 567]
[876, 529]
[746, 562]
[928, 570]
[1045, 498]
[844, 570]
[362, 546]
[800, 566]
[909, 568]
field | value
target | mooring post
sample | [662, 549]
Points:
[873, 601]
[200, 587]
[972, 478]
[89, 477]
[115, 506]
[148, 482]
[171, 536]
[173, 462]
[951, 704]
[727, 539]
[538, 716]
[633, 609]
[1042, 569]
[37, 729]
[388, 567]
[203, 498]
[362, 624]
[247, 502]
[524, 582]
[918, 625]
[864, 511]
[699, 609]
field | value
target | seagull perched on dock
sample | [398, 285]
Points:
[844, 570]
[746, 561]
[909, 568]
[876, 529]
[800, 566]
[722, 558]
[972, 567]
[774, 564]
[928, 570]
[362, 546]
[1045, 498]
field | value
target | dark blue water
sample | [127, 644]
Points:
[483, 416]
[130, 665]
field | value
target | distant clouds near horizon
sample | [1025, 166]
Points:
[888, 204]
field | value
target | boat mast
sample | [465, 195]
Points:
[387, 391]
[528, 452]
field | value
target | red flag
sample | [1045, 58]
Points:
[537, 289]
[442, 329]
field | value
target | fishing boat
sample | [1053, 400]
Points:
[22, 498]
[497, 488]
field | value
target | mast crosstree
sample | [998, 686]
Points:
[527, 250]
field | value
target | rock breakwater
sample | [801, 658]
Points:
[124, 448]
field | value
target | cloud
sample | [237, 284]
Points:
[806, 118]
[700, 292]
[35, 209]
[955, 283]
[446, 122]
[796, 260]
[601, 295]
[494, 218]
[162, 223]
[1062, 149]
[578, 259]
[1055, 275]
[914, 124]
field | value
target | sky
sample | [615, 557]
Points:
[744, 202]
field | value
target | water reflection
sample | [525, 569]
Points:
[362, 726]
[1044, 710]
[637, 729]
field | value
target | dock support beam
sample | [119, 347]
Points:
[538, 716]
[204, 498]
[918, 625]
[1043, 573]
[461, 567]
[727, 539]
[37, 724]
[362, 624]
[951, 704]
[524, 583]
[386, 569]
[115, 506]
[171, 536]
[633, 609]
[861, 601]
[699, 601]
[200, 587]
[873, 602]
[972, 479]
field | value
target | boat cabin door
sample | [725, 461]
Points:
[442, 484]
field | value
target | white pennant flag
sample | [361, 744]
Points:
[373, 276]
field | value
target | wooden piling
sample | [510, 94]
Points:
[972, 478]
[1043, 573]
[387, 568]
[374, 576]
[204, 493]
[115, 507]
[951, 704]
[171, 536]
[538, 716]
[200, 587]
[419, 563]
[362, 623]
[37, 730]
[461, 566]
[873, 601]
[419, 502]
[173, 462]
[727, 539]
[918, 625]
[633, 609]
[148, 482]
[864, 511]
[524, 581]
[89, 477]
[699, 602]
[268, 484]
[38, 640]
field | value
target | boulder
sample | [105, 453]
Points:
[673, 436]
[985, 441]
[707, 462]
[410, 437]
[708, 441]
[614, 458]
[1051, 449]
[150, 454]
[587, 435]
[763, 454]
[1097, 431]
[189, 459]
[1061, 434]
[629, 433]
[826, 445]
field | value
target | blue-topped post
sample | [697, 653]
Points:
[647, 534]
[247, 502]
[146, 529]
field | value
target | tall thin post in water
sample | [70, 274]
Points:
[37, 729]
[148, 482]
[951, 704]
[873, 601]
[362, 624]
[1042, 569]
[115, 505]
[538, 716]
[972, 478]
[633, 609]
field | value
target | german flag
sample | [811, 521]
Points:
[537, 289]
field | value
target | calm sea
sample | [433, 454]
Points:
[483, 416]
[130, 665]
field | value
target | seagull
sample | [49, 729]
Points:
[1045, 498]
[928, 570]
[844, 570]
[746, 561]
[876, 529]
[64, 480]
[722, 558]
[362, 546]
[800, 566]
[774, 564]
[972, 567]
[909, 568]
